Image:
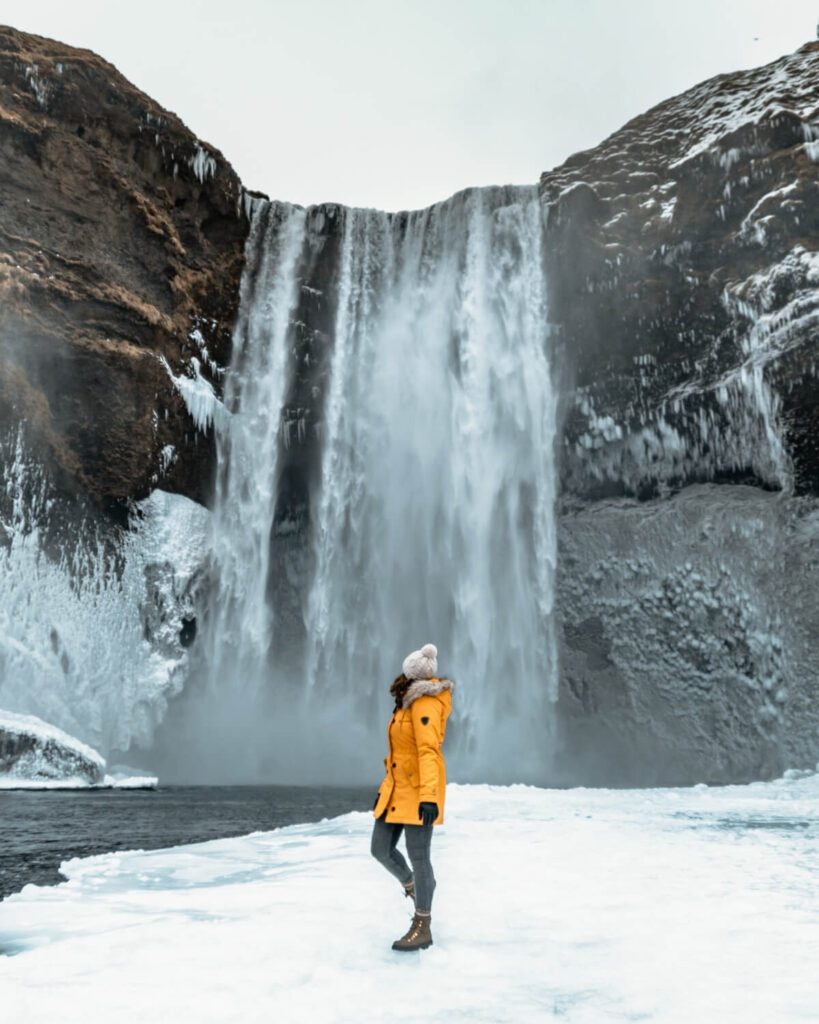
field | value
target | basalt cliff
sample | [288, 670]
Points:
[682, 279]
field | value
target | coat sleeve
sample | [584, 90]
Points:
[427, 723]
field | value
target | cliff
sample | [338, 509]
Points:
[121, 240]
[683, 278]
[684, 291]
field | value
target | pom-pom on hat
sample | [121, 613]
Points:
[422, 664]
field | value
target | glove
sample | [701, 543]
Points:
[377, 795]
[427, 812]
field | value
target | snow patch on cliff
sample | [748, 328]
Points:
[753, 100]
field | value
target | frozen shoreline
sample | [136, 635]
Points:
[580, 905]
[72, 785]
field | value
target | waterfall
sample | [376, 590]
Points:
[238, 635]
[431, 498]
[435, 520]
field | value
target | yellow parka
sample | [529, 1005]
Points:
[416, 771]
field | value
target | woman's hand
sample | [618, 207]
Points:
[427, 812]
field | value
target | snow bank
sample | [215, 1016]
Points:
[586, 906]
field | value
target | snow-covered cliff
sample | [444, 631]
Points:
[683, 276]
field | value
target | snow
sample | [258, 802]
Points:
[667, 209]
[586, 906]
[715, 115]
[35, 754]
[753, 224]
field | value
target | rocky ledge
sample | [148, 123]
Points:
[121, 247]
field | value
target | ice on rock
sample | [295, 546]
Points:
[198, 395]
[89, 636]
[36, 755]
[33, 751]
[202, 164]
[166, 458]
[41, 88]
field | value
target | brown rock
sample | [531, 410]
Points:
[120, 233]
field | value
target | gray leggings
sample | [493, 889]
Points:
[418, 838]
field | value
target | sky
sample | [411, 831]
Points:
[399, 103]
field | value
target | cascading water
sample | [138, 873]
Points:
[435, 519]
[432, 518]
[246, 487]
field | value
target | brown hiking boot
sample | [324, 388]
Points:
[419, 935]
[409, 889]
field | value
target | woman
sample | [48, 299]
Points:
[411, 797]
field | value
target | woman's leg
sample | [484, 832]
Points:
[419, 838]
[382, 847]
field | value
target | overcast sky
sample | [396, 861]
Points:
[399, 103]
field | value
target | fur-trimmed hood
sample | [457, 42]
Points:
[426, 687]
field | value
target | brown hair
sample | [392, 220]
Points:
[399, 689]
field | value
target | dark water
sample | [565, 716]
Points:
[38, 830]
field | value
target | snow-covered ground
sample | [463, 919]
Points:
[688, 905]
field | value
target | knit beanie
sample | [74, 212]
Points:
[422, 664]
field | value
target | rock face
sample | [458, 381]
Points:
[684, 285]
[121, 239]
[684, 282]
